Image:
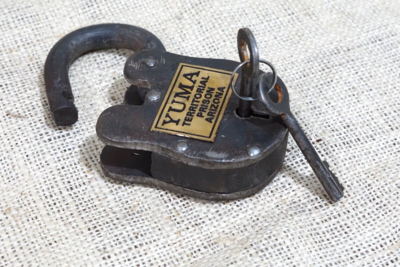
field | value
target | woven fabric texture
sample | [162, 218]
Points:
[341, 63]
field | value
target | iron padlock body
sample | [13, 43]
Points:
[244, 157]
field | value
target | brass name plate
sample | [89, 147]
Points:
[195, 102]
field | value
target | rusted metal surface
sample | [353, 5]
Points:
[248, 50]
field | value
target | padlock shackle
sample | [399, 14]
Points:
[77, 43]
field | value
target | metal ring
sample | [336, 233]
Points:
[248, 98]
[259, 80]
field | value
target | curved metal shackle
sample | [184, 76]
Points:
[77, 43]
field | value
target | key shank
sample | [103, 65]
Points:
[325, 176]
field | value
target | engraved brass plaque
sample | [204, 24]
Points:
[195, 102]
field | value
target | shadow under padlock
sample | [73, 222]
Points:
[180, 128]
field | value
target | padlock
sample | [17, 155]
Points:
[183, 126]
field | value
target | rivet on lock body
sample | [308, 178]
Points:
[180, 127]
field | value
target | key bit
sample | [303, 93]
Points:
[280, 107]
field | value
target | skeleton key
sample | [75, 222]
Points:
[281, 108]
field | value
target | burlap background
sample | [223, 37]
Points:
[341, 62]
